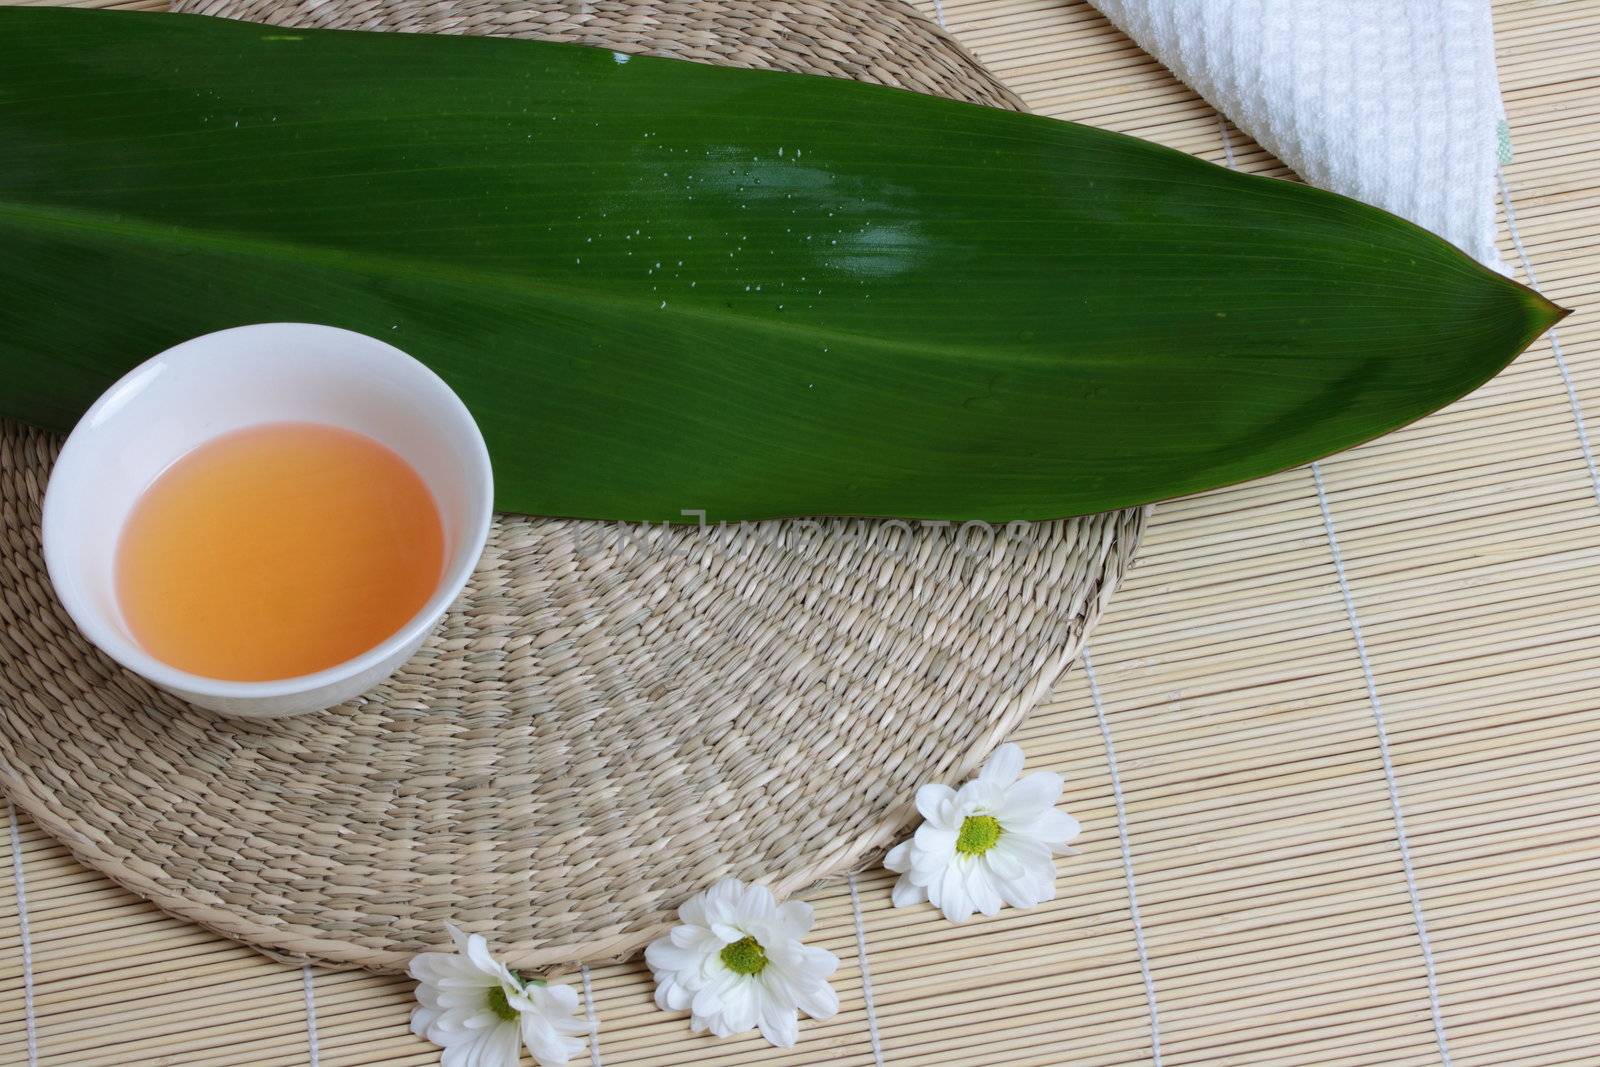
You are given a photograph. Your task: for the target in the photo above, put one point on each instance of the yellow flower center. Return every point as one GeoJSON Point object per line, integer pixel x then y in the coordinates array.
{"type": "Point", "coordinates": [501, 1006]}
{"type": "Point", "coordinates": [745, 956]}
{"type": "Point", "coordinates": [978, 835]}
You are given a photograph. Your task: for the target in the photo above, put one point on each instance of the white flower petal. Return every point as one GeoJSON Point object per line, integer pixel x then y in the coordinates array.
{"type": "Point", "coordinates": [818, 1001]}
{"type": "Point", "coordinates": [779, 1025]}
{"type": "Point", "coordinates": [457, 937]}
{"type": "Point", "coordinates": [816, 964]}
{"type": "Point", "coordinates": [934, 801]}
{"type": "Point", "coordinates": [782, 980]}
{"type": "Point", "coordinates": [574, 1026]}
{"type": "Point", "coordinates": [985, 898]}
{"type": "Point", "coordinates": [707, 1002]}
{"type": "Point", "coordinates": [464, 1054]}
{"type": "Point", "coordinates": [937, 843]}
{"type": "Point", "coordinates": [423, 986]}
{"type": "Point", "coordinates": [449, 971]}
{"type": "Point", "coordinates": [1025, 800]}
{"type": "Point", "coordinates": [972, 797]}
{"type": "Point", "coordinates": [952, 898]}
{"type": "Point", "coordinates": [1002, 768]}
{"type": "Point", "coordinates": [1047, 888]}
{"type": "Point", "coordinates": [477, 951]}
{"type": "Point", "coordinates": [1031, 885]}
{"type": "Point", "coordinates": [759, 904]}
{"type": "Point", "coordinates": [899, 858]}
{"type": "Point", "coordinates": [722, 979]}
{"type": "Point", "coordinates": [545, 1040]}
{"type": "Point", "coordinates": [451, 1021]}
{"type": "Point", "coordinates": [1056, 829]}
{"type": "Point", "coordinates": [662, 955]}
{"type": "Point", "coordinates": [422, 1020]}
{"type": "Point", "coordinates": [1002, 863]}
{"type": "Point", "coordinates": [672, 995]}
{"type": "Point", "coordinates": [741, 1006]}
{"type": "Point", "coordinates": [548, 1048]}
{"type": "Point", "coordinates": [719, 1025]}
{"type": "Point", "coordinates": [1024, 849]}
{"type": "Point", "coordinates": [558, 999]}
{"type": "Point", "coordinates": [906, 892]}
{"type": "Point", "coordinates": [794, 919]}
{"type": "Point", "coordinates": [491, 1047]}
{"type": "Point", "coordinates": [686, 936]}
{"type": "Point", "coordinates": [692, 913]}
{"type": "Point", "coordinates": [468, 1001]}
{"type": "Point", "coordinates": [1016, 893]}
{"type": "Point", "coordinates": [722, 902]}
{"type": "Point", "coordinates": [482, 1019]}
{"type": "Point", "coordinates": [427, 966]}
{"type": "Point", "coordinates": [472, 980]}
{"type": "Point", "coordinates": [500, 1047]}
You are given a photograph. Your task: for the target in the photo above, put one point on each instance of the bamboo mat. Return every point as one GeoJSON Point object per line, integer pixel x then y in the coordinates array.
{"type": "Point", "coordinates": [1414, 622]}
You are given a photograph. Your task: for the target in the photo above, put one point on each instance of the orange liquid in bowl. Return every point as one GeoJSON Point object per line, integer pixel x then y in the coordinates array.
{"type": "Point", "coordinates": [277, 551]}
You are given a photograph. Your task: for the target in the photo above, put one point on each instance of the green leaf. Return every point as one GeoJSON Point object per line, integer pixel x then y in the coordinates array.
{"type": "Point", "coordinates": [665, 286]}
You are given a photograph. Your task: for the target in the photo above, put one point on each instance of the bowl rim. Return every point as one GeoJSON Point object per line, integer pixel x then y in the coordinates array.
{"type": "Point", "coordinates": [127, 652]}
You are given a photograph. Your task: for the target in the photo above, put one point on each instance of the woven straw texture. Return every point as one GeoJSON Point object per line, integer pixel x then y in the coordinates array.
{"type": "Point", "coordinates": [611, 717]}
{"type": "Point", "coordinates": [1276, 923]}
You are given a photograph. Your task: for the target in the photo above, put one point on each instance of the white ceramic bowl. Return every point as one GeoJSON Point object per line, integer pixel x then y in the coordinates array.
{"type": "Point", "coordinates": [274, 372]}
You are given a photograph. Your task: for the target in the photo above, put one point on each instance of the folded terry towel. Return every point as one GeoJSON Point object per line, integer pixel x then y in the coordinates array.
{"type": "Point", "coordinates": [1394, 102]}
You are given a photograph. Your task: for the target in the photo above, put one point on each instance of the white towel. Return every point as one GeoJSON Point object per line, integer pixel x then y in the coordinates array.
{"type": "Point", "coordinates": [1394, 102]}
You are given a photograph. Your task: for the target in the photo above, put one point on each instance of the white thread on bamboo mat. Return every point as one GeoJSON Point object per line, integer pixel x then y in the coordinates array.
{"type": "Point", "coordinates": [938, 13]}
{"type": "Point", "coordinates": [1378, 721]}
{"type": "Point", "coordinates": [308, 983]}
{"type": "Point", "coordinates": [27, 941]}
{"type": "Point", "coordinates": [594, 1020]}
{"type": "Point", "coordinates": [1388, 769]}
{"type": "Point", "coordinates": [866, 974]}
{"type": "Point", "coordinates": [1127, 859]}
{"type": "Point", "coordinates": [1555, 338]}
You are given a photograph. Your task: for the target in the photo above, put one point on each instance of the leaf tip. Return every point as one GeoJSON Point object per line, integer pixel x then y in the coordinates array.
{"type": "Point", "coordinates": [1546, 313]}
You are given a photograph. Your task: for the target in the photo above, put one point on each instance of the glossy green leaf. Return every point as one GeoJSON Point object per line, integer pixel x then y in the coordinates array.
{"type": "Point", "coordinates": [665, 286]}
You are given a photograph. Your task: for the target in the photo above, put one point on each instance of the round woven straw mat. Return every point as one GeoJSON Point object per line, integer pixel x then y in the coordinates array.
{"type": "Point", "coordinates": [609, 719]}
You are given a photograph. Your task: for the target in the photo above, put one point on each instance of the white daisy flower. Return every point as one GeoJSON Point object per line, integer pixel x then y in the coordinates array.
{"type": "Point", "coordinates": [737, 962]}
{"type": "Point", "coordinates": [991, 843]}
{"type": "Point", "coordinates": [477, 1009]}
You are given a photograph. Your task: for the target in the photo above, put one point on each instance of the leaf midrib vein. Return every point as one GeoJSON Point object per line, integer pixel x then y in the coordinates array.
{"type": "Point", "coordinates": [171, 235]}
